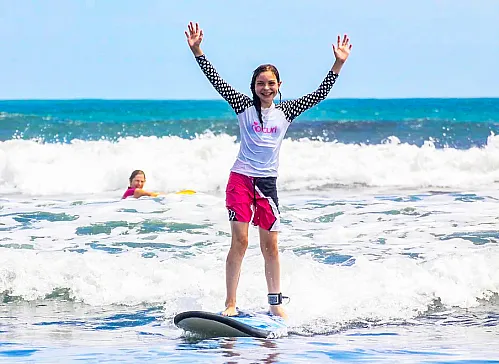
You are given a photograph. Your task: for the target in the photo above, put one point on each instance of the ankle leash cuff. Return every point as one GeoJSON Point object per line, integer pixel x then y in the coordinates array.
{"type": "Point", "coordinates": [276, 298]}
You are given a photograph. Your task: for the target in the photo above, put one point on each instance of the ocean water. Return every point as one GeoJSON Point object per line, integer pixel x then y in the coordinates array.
{"type": "Point", "coordinates": [389, 248]}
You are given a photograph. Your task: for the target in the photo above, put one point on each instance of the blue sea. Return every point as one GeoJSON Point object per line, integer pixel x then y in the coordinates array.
{"type": "Point", "coordinates": [389, 248]}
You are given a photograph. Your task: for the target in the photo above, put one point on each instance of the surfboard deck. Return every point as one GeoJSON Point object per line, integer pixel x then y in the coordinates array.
{"type": "Point", "coordinates": [245, 324]}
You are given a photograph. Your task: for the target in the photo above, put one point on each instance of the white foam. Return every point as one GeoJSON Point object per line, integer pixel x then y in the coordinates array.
{"type": "Point", "coordinates": [187, 272]}
{"type": "Point", "coordinates": [388, 289]}
{"type": "Point", "coordinates": [202, 164]}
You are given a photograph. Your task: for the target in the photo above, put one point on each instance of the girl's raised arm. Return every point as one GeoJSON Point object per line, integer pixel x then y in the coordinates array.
{"type": "Point", "coordinates": [292, 109]}
{"type": "Point", "coordinates": [238, 101]}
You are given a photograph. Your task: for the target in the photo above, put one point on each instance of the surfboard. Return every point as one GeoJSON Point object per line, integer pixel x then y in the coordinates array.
{"type": "Point", "coordinates": [245, 324]}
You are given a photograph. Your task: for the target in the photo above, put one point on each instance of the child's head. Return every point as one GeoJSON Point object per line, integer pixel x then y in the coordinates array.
{"type": "Point", "coordinates": [265, 85]}
{"type": "Point", "coordinates": [137, 179]}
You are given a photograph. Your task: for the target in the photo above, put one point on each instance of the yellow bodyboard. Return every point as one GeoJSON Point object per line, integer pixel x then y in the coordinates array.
{"type": "Point", "coordinates": [185, 192]}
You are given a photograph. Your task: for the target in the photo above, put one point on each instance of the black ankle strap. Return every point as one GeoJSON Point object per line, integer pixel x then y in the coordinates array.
{"type": "Point", "coordinates": [275, 299]}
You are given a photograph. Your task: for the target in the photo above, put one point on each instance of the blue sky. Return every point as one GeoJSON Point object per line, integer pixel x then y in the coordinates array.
{"type": "Point", "coordinates": [120, 49]}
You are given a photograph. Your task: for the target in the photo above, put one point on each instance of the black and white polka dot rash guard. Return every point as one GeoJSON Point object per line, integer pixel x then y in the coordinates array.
{"type": "Point", "coordinates": [260, 145]}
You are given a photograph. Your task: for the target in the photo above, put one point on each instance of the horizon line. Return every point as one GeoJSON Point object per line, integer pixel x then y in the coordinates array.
{"type": "Point", "coordinates": [222, 100]}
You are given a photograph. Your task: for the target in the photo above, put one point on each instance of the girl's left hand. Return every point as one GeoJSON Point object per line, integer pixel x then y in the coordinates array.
{"type": "Point", "coordinates": [342, 49]}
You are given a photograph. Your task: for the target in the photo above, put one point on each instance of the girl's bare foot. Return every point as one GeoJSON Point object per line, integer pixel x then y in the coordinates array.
{"type": "Point", "coordinates": [278, 311]}
{"type": "Point", "coordinates": [230, 311]}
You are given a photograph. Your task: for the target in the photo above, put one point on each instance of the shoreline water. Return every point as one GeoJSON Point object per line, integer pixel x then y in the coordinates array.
{"type": "Point", "coordinates": [389, 247]}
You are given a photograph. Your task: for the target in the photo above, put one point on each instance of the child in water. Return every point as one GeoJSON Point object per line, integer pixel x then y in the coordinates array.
{"type": "Point", "coordinates": [135, 189]}
{"type": "Point", "coordinates": [251, 192]}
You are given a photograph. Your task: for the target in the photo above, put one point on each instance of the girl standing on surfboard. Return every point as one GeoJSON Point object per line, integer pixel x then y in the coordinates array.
{"type": "Point", "coordinates": [251, 193]}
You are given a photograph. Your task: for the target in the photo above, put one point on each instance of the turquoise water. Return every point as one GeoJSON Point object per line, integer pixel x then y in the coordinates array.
{"type": "Point", "coordinates": [389, 246]}
{"type": "Point", "coordinates": [458, 123]}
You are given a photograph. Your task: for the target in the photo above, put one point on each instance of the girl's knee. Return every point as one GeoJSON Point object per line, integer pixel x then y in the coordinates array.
{"type": "Point", "coordinates": [240, 243]}
{"type": "Point", "coordinates": [270, 251]}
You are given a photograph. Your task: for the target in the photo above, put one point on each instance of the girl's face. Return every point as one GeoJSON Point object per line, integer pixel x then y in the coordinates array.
{"type": "Point", "coordinates": [266, 87]}
{"type": "Point", "coordinates": [138, 181]}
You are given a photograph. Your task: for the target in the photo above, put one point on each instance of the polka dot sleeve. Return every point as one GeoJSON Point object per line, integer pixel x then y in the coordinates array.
{"type": "Point", "coordinates": [293, 108]}
{"type": "Point", "coordinates": [238, 101]}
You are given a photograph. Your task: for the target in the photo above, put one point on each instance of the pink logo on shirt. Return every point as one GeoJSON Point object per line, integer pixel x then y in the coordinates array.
{"type": "Point", "coordinates": [259, 129]}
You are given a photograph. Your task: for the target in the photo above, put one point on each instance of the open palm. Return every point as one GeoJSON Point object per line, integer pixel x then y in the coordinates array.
{"type": "Point", "coordinates": [194, 36]}
{"type": "Point", "coordinates": [342, 49]}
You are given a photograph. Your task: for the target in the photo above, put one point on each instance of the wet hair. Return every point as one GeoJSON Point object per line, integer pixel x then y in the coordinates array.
{"type": "Point", "coordinates": [135, 173]}
{"type": "Point", "coordinates": [256, 100]}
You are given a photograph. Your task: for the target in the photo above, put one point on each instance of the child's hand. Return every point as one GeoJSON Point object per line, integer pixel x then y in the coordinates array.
{"type": "Point", "coordinates": [194, 38]}
{"type": "Point", "coordinates": [342, 50]}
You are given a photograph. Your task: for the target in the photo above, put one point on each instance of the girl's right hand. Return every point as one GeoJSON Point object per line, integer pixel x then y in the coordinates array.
{"type": "Point", "coordinates": [194, 38]}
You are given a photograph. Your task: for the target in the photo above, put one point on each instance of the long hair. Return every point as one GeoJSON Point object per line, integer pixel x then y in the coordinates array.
{"type": "Point", "coordinates": [135, 173]}
{"type": "Point", "coordinates": [256, 99]}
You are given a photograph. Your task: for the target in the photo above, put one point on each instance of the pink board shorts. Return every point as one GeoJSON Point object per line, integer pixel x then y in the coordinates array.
{"type": "Point", "coordinates": [247, 197]}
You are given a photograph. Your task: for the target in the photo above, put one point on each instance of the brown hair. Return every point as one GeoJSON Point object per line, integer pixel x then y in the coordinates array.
{"type": "Point", "coordinates": [135, 173]}
{"type": "Point", "coordinates": [256, 100]}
